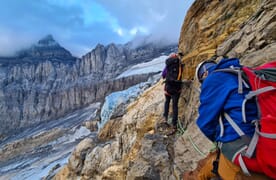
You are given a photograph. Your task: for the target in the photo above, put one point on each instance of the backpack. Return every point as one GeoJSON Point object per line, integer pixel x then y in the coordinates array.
{"type": "Point", "coordinates": [262, 81]}
{"type": "Point", "coordinates": [174, 69]}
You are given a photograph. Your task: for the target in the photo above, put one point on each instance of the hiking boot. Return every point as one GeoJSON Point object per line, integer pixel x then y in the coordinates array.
{"type": "Point", "coordinates": [165, 121]}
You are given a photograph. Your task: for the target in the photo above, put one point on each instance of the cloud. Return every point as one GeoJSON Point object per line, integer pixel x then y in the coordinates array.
{"type": "Point", "coordinates": [80, 25]}
{"type": "Point", "coordinates": [120, 32]}
{"type": "Point", "coordinates": [162, 18]}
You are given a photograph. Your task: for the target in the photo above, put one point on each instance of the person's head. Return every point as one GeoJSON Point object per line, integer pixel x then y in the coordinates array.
{"type": "Point", "coordinates": [176, 55]}
{"type": "Point", "coordinates": [203, 68]}
{"type": "Point", "coordinates": [173, 55]}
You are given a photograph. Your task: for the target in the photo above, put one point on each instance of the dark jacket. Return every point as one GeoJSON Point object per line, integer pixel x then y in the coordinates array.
{"type": "Point", "coordinates": [171, 87]}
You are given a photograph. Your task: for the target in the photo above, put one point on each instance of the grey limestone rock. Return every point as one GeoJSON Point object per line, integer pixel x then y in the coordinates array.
{"type": "Point", "coordinates": [45, 81]}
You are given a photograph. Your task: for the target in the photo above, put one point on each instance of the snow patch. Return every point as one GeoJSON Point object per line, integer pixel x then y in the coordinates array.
{"type": "Point", "coordinates": [156, 65]}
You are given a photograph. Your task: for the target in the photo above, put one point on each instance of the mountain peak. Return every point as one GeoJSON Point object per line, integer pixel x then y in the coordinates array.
{"type": "Point", "coordinates": [46, 48]}
{"type": "Point", "coordinates": [47, 41]}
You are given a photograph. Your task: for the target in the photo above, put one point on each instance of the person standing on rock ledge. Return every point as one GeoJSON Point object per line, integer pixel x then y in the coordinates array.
{"type": "Point", "coordinates": [172, 74]}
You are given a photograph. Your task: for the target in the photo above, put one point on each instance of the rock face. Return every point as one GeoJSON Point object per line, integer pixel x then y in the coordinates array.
{"type": "Point", "coordinates": [208, 24]}
{"type": "Point", "coordinates": [255, 42]}
{"type": "Point", "coordinates": [135, 149]}
{"type": "Point", "coordinates": [108, 62]}
{"type": "Point", "coordinates": [45, 81]}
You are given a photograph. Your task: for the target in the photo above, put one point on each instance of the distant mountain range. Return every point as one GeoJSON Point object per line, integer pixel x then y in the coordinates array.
{"type": "Point", "coordinates": [45, 81]}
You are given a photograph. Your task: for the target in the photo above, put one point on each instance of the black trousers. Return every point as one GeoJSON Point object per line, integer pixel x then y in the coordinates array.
{"type": "Point", "coordinates": [175, 98]}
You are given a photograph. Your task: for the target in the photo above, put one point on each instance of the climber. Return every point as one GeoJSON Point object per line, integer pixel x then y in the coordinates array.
{"type": "Point", "coordinates": [173, 75]}
{"type": "Point", "coordinates": [219, 95]}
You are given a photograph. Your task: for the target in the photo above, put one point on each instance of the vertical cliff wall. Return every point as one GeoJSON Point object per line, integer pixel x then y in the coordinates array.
{"type": "Point", "coordinates": [45, 81]}
{"type": "Point", "coordinates": [243, 29]}
{"type": "Point", "coordinates": [208, 24]}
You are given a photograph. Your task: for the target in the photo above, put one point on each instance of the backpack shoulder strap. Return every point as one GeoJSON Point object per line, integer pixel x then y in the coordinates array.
{"type": "Point", "coordinates": [233, 124]}
{"type": "Point", "coordinates": [241, 76]}
{"type": "Point", "coordinates": [180, 72]}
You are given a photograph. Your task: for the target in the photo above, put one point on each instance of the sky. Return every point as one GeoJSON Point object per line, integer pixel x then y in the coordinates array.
{"type": "Point", "coordinates": [79, 25]}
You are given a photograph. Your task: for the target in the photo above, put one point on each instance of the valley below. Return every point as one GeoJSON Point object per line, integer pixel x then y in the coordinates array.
{"type": "Point", "coordinates": [32, 153]}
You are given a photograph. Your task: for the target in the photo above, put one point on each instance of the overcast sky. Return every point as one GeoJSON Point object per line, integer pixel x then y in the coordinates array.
{"type": "Point", "coordinates": [79, 25]}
